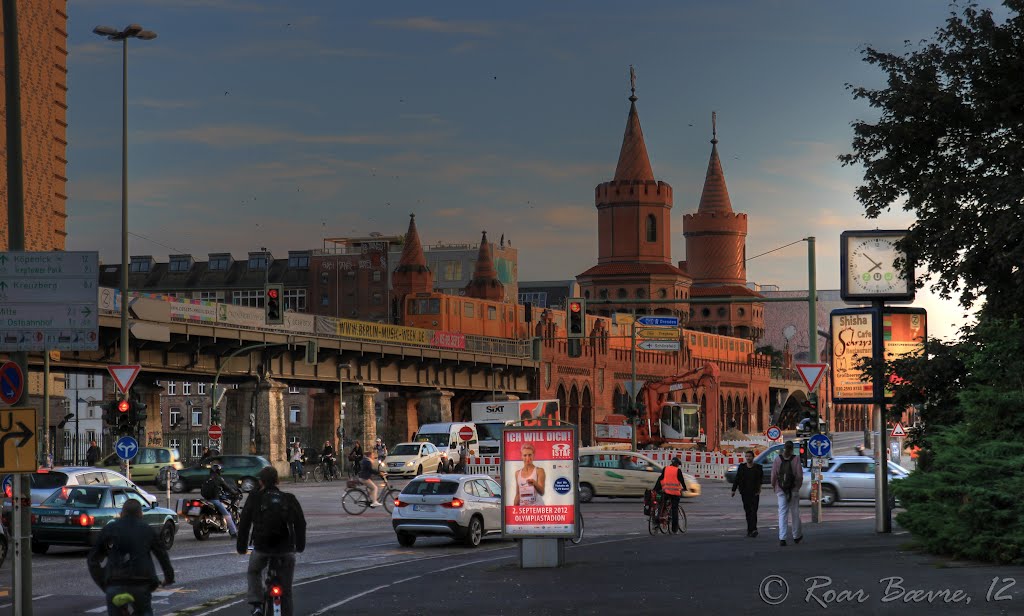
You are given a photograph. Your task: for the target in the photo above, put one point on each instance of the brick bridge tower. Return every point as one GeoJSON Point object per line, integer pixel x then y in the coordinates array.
{"type": "Point", "coordinates": [412, 274]}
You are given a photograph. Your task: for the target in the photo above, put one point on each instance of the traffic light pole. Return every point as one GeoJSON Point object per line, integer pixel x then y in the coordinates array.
{"type": "Point", "coordinates": [634, 416]}
{"type": "Point", "coordinates": [812, 331]}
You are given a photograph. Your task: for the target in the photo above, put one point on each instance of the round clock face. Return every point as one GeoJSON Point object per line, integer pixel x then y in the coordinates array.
{"type": "Point", "coordinates": [869, 267]}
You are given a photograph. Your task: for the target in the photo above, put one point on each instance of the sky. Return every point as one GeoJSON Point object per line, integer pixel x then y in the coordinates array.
{"type": "Point", "coordinates": [268, 123]}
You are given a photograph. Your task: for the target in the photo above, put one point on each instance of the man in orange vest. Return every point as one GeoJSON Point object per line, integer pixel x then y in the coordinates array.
{"type": "Point", "coordinates": [670, 483]}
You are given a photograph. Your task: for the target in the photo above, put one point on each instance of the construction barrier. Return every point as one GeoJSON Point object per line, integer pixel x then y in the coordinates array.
{"type": "Point", "coordinates": [700, 464]}
{"type": "Point", "coordinates": [484, 465]}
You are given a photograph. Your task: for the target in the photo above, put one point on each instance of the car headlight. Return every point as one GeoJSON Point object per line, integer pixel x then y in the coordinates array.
{"type": "Point", "coordinates": [409, 463]}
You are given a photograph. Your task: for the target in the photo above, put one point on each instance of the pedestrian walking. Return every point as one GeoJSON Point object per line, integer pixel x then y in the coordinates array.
{"type": "Point", "coordinates": [92, 455]}
{"type": "Point", "coordinates": [749, 477]}
{"type": "Point", "coordinates": [787, 477]}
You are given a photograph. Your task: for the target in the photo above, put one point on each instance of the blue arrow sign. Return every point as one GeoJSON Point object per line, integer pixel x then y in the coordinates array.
{"type": "Point", "coordinates": [126, 447]}
{"type": "Point", "coordinates": [659, 321]}
{"type": "Point", "coordinates": [820, 446]}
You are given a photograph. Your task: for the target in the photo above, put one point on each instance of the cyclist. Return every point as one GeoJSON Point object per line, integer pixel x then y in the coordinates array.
{"type": "Point", "coordinates": [381, 450]}
{"type": "Point", "coordinates": [355, 457]}
{"type": "Point", "coordinates": [671, 483]}
{"type": "Point", "coordinates": [367, 469]}
{"type": "Point", "coordinates": [213, 490]}
{"type": "Point", "coordinates": [296, 461]}
{"type": "Point", "coordinates": [328, 458]}
{"type": "Point", "coordinates": [278, 531]}
{"type": "Point", "coordinates": [127, 545]}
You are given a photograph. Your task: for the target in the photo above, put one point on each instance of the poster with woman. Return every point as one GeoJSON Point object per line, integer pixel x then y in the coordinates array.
{"type": "Point", "coordinates": [539, 474]}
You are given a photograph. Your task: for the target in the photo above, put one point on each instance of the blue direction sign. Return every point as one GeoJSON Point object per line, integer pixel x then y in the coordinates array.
{"type": "Point", "coordinates": [658, 321]}
{"type": "Point", "coordinates": [12, 382]}
{"type": "Point", "coordinates": [126, 447]}
{"type": "Point", "coordinates": [820, 446]}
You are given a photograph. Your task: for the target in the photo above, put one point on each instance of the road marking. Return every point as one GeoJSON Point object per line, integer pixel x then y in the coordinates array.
{"type": "Point", "coordinates": [34, 599]}
{"type": "Point", "coordinates": [205, 555]}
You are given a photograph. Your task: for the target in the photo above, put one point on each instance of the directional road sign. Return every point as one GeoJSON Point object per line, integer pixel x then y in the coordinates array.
{"type": "Point", "coordinates": [124, 376]}
{"type": "Point", "coordinates": [17, 440]}
{"type": "Point", "coordinates": [12, 382]}
{"type": "Point", "coordinates": [48, 301]}
{"type": "Point", "coordinates": [126, 447]}
{"type": "Point", "coordinates": [773, 433]}
{"type": "Point", "coordinates": [811, 374]}
{"type": "Point", "coordinates": [658, 345]}
{"type": "Point", "coordinates": [658, 333]}
{"type": "Point", "coordinates": [820, 446]}
{"type": "Point", "coordinates": [658, 321]}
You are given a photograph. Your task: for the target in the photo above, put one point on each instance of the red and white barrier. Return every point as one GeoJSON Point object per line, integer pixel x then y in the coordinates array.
{"type": "Point", "coordinates": [700, 464]}
{"type": "Point", "coordinates": [485, 465]}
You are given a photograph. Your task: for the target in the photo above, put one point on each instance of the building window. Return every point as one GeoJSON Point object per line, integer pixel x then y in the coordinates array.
{"type": "Point", "coordinates": [324, 277]}
{"type": "Point", "coordinates": [294, 414]}
{"type": "Point", "coordinates": [492, 313]}
{"type": "Point", "coordinates": [641, 293]}
{"type": "Point", "coordinates": [295, 299]}
{"type": "Point", "coordinates": [324, 299]}
{"type": "Point", "coordinates": [172, 388]}
{"type": "Point", "coordinates": [197, 447]}
{"type": "Point", "coordinates": [174, 443]}
{"type": "Point", "coordinates": [258, 263]}
{"type": "Point", "coordinates": [377, 276]}
{"type": "Point", "coordinates": [741, 311]}
{"type": "Point", "coordinates": [90, 381]}
{"type": "Point", "coordinates": [603, 293]}
{"type": "Point", "coordinates": [705, 312]}
{"type": "Point", "coordinates": [186, 388]}
{"type": "Point", "coordinates": [538, 299]}
{"type": "Point", "coordinates": [138, 267]}
{"type": "Point", "coordinates": [90, 436]}
{"type": "Point", "coordinates": [211, 296]}
{"type": "Point", "coordinates": [218, 264]}
{"type": "Point", "coordinates": [197, 416]}
{"type": "Point", "coordinates": [252, 299]}
{"type": "Point", "coordinates": [662, 293]}
{"type": "Point", "coordinates": [451, 270]}
{"type": "Point", "coordinates": [292, 389]}
{"type": "Point", "coordinates": [652, 228]}
{"type": "Point", "coordinates": [378, 299]}
{"type": "Point", "coordinates": [202, 389]}
{"type": "Point", "coordinates": [174, 416]}
{"type": "Point", "coordinates": [721, 312]}
{"type": "Point", "coordinates": [468, 309]}
{"type": "Point", "coordinates": [298, 261]}
{"type": "Point", "coordinates": [179, 265]}
{"type": "Point", "coordinates": [623, 294]}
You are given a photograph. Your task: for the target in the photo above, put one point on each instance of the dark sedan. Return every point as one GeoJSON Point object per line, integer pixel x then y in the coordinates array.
{"type": "Point", "coordinates": [243, 470]}
{"type": "Point", "coordinates": [75, 515]}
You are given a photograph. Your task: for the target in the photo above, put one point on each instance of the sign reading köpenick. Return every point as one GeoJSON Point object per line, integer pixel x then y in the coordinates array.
{"type": "Point", "coordinates": [539, 478]}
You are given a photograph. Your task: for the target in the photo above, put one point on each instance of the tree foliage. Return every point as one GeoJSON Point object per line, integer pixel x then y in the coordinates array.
{"type": "Point", "coordinates": [949, 145]}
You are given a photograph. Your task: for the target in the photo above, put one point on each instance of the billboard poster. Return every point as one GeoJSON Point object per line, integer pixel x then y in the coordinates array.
{"type": "Point", "coordinates": [851, 334]}
{"type": "Point", "coordinates": [903, 332]}
{"type": "Point", "coordinates": [539, 481]}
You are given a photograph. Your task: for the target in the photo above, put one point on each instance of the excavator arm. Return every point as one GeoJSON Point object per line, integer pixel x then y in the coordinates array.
{"type": "Point", "coordinates": [707, 376]}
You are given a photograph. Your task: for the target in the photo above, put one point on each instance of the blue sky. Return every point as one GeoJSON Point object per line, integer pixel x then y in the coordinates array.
{"type": "Point", "coordinates": [270, 123]}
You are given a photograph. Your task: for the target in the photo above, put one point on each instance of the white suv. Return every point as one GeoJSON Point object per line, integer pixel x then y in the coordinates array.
{"type": "Point", "coordinates": [465, 507]}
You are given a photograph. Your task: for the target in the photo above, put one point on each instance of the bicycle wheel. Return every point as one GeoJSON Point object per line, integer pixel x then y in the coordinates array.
{"type": "Point", "coordinates": [652, 523]}
{"type": "Point", "coordinates": [664, 518]}
{"type": "Point", "coordinates": [318, 474]}
{"type": "Point", "coordinates": [389, 499]}
{"type": "Point", "coordinates": [682, 522]}
{"type": "Point", "coordinates": [355, 501]}
{"type": "Point", "coordinates": [579, 529]}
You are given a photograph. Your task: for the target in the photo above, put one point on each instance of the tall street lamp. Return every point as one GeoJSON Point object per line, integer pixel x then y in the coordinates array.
{"type": "Point", "coordinates": [132, 31]}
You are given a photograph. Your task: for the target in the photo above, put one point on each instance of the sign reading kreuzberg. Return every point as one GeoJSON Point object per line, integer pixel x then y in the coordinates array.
{"type": "Point", "coordinates": [851, 341]}
{"type": "Point", "coordinates": [538, 494]}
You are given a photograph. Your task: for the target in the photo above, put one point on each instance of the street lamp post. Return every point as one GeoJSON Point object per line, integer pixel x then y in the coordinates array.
{"type": "Point", "coordinates": [113, 34]}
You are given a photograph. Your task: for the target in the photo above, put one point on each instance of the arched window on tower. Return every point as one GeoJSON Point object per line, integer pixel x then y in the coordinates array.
{"type": "Point", "coordinates": [652, 228]}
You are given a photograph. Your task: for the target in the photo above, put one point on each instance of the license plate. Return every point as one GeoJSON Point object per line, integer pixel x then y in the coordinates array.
{"type": "Point", "coordinates": [53, 519]}
{"type": "Point", "coordinates": [193, 511]}
{"type": "Point", "coordinates": [395, 465]}
{"type": "Point", "coordinates": [424, 507]}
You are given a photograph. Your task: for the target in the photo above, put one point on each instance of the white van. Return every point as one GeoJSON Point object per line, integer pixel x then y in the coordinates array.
{"type": "Point", "coordinates": [445, 436]}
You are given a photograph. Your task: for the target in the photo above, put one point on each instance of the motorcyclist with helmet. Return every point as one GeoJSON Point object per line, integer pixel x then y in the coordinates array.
{"type": "Point", "coordinates": [213, 489]}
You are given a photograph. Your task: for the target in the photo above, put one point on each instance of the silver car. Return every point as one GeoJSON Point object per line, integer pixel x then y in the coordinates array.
{"type": "Point", "coordinates": [849, 478]}
{"type": "Point", "coordinates": [47, 481]}
{"type": "Point", "coordinates": [464, 507]}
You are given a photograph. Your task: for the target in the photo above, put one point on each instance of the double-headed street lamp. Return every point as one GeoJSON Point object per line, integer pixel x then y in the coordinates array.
{"type": "Point", "coordinates": [132, 31]}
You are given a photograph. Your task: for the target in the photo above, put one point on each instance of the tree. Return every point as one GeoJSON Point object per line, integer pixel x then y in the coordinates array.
{"type": "Point", "coordinates": [949, 145]}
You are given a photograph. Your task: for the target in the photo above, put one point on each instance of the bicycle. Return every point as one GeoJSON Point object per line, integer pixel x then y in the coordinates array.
{"type": "Point", "coordinates": [274, 593]}
{"type": "Point", "coordinates": [356, 499]}
{"type": "Point", "coordinates": [297, 477]}
{"type": "Point", "coordinates": [325, 470]}
{"type": "Point", "coordinates": [576, 538]}
{"type": "Point", "coordinates": [660, 518]}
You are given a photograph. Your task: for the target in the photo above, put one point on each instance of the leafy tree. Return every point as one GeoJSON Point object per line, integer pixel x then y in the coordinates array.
{"type": "Point", "coordinates": [949, 145]}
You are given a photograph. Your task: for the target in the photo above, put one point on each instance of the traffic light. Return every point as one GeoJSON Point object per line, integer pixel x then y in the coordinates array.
{"type": "Point", "coordinates": [110, 413]}
{"type": "Point", "coordinates": [273, 294]}
{"type": "Point", "coordinates": [811, 408]}
{"type": "Point", "coordinates": [576, 317]}
{"type": "Point", "coordinates": [803, 452]}
{"type": "Point", "coordinates": [138, 410]}
{"type": "Point", "coordinates": [215, 416]}
{"type": "Point", "coordinates": [122, 409]}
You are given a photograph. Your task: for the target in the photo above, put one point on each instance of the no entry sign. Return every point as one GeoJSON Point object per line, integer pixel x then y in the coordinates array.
{"type": "Point", "coordinates": [215, 432]}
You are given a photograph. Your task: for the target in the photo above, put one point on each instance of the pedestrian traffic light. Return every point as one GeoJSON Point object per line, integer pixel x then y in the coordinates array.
{"type": "Point", "coordinates": [272, 296]}
{"type": "Point", "coordinates": [576, 317]}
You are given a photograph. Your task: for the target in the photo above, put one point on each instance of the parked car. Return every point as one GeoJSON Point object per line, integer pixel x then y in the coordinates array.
{"type": "Point", "coordinates": [75, 515]}
{"type": "Point", "coordinates": [243, 470]}
{"type": "Point", "coordinates": [804, 427]}
{"type": "Point", "coordinates": [412, 459]}
{"type": "Point", "coordinates": [145, 466]}
{"type": "Point", "coordinates": [464, 507]}
{"type": "Point", "coordinates": [850, 478]}
{"type": "Point", "coordinates": [46, 481]}
{"type": "Point", "coordinates": [622, 473]}
{"type": "Point", "coordinates": [766, 459]}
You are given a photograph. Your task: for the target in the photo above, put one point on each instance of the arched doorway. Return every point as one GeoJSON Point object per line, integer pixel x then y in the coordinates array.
{"type": "Point", "coordinates": [586, 425]}
{"type": "Point", "coordinates": [746, 415]}
{"type": "Point", "coordinates": [760, 414]}
{"type": "Point", "coordinates": [620, 401]}
{"type": "Point", "coordinates": [560, 394]}
{"type": "Point", "coordinates": [573, 416]}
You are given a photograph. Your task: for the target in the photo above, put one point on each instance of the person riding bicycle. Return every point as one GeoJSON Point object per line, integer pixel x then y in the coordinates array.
{"type": "Point", "coordinates": [367, 469]}
{"type": "Point", "coordinates": [355, 457]}
{"type": "Point", "coordinates": [328, 458]}
{"type": "Point", "coordinates": [670, 484]}
{"type": "Point", "coordinates": [213, 490]}
{"type": "Point", "coordinates": [128, 545]}
{"type": "Point", "coordinates": [278, 531]}
{"type": "Point", "coordinates": [295, 458]}
{"type": "Point", "coordinates": [380, 449]}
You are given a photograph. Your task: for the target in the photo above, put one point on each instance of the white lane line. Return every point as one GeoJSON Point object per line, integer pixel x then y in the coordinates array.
{"type": "Point", "coordinates": [204, 555]}
{"type": "Point", "coordinates": [34, 599]}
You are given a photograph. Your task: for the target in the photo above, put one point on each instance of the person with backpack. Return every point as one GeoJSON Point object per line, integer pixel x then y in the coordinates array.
{"type": "Point", "coordinates": [121, 561]}
{"type": "Point", "coordinates": [213, 490]}
{"type": "Point", "coordinates": [278, 531]}
{"type": "Point", "coordinates": [787, 477]}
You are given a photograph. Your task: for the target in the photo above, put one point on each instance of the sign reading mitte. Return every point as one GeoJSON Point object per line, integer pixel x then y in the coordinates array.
{"type": "Point", "coordinates": [48, 301]}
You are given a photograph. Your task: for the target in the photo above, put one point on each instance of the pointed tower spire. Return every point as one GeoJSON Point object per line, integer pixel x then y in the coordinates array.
{"type": "Point", "coordinates": [485, 283]}
{"type": "Point", "coordinates": [412, 274]}
{"type": "Point", "coordinates": [715, 197]}
{"type": "Point", "coordinates": [634, 164]}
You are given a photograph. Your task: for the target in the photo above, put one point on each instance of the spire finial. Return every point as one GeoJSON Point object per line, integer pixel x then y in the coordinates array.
{"type": "Point", "coordinates": [632, 84]}
{"type": "Point", "coordinates": [714, 127]}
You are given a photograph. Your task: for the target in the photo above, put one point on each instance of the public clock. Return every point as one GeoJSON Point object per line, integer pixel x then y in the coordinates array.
{"type": "Point", "coordinates": [868, 267]}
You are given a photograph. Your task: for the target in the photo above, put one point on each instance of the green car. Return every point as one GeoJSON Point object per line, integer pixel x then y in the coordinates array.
{"type": "Point", "coordinates": [75, 515]}
{"type": "Point", "coordinates": [145, 466]}
{"type": "Point", "coordinates": [243, 470]}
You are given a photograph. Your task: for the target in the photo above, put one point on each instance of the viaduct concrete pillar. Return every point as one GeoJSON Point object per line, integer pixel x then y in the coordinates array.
{"type": "Point", "coordinates": [271, 424]}
{"type": "Point", "coordinates": [435, 406]}
{"type": "Point", "coordinates": [154, 425]}
{"type": "Point", "coordinates": [400, 418]}
{"type": "Point", "coordinates": [326, 419]}
{"type": "Point", "coordinates": [361, 415]}
{"type": "Point", "coordinates": [237, 407]}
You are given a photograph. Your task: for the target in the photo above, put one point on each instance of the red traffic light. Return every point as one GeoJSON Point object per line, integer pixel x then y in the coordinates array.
{"type": "Point", "coordinates": [575, 306]}
{"type": "Point", "coordinates": [122, 406]}
{"type": "Point", "coordinates": [272, 293]}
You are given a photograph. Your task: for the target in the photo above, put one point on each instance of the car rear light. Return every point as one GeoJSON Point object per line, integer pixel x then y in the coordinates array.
{"type": "Point", "coordinates": [456, 503]}
{"type": "Point", "coordinates": [399, 503]}
{"type": "Point", "coordinates": [85, 520]}
{"type": "Point", "coordinates": [196, 504]}
{"type": "Point", "coordinates": [432, 480]}
{"type": "Point", "coordinates": [275, 591]}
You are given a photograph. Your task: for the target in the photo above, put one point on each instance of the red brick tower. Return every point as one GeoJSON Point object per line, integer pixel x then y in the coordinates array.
{"type": "Point", "coordinates": [412, 274]}
{"type": "Point", "coordinates": [634, 242]}
{"type": "Point", "coordinates": [485, 283]}
{"type": "Point", "coordinates": [716, 255]}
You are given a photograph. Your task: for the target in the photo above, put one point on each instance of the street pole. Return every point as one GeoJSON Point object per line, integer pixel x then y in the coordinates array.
{"type": "Point", "coordinates": [48, 460]}
{"type": "Point", "coordinates": [633, 416]}
{"type": "Point", "coordinates": [883, 519]}
{"type": "Point", "coordinates": [124, 202]}
{"type": "Point", "coordinates": [812, 329]}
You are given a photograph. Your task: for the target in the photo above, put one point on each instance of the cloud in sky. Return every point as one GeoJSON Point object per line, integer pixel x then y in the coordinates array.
{"type": "Point", "coordinates": [432, 24]}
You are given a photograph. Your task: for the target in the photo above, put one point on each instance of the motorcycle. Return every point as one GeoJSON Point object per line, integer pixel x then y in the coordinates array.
{"type": "Point", "coordinates": [204, 517]}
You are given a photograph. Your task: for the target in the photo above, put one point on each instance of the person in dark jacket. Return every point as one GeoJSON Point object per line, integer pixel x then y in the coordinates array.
{"type": "Point", "coordinates": [261, 510]}
{"type": "Point", "coordinates": [127, 545]}
{"type": "Point", "coordinates": [748, 482]}
{"type": "Point", "coordinates": [93, 454]}
{"type": "Point", "coordinates": [213, 490]}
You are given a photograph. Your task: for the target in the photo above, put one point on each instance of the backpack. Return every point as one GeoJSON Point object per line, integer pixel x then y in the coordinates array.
{"type": "Point", "coordinates": [272, 526]}
{"type": "Point", "coordinates": [787, 478]}
{"type": "Point", "coordinates": [210, 488]}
